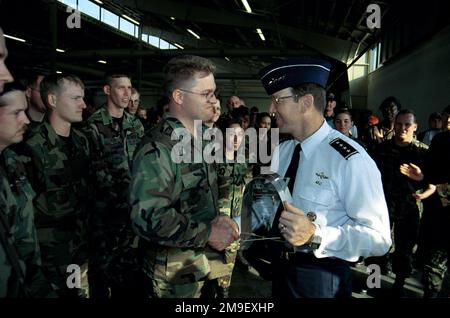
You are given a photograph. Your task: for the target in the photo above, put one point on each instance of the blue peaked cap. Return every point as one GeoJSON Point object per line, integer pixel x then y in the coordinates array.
{"type": "Point", "coordinates": [293, 72]}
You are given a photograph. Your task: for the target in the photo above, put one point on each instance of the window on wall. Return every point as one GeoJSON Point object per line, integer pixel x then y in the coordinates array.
{"type": "Point", "coordinates": [153, 40]}
{"type": "Point", "coordinates": [379, 56]}
{"type": "Point", "coordinates": [374, 57]}
{"type": "Point", "coordinates": [89, 8]}
{"type": "Point", "coordinates": [127, 26]}
{"type": "Point", "coordinates": [110, 18]}
{"type": "Point", "coordinates": [160, 43]}
{"type": "Point", "coordinates": [71, 3]}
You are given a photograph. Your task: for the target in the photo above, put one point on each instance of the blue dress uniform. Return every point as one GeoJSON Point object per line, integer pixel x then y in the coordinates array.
{"type": "Point", "coordinates": [340, 185]}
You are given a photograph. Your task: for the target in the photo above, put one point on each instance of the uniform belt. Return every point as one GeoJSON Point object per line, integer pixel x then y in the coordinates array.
{"type": "Point", "coordinates": [310, 258]}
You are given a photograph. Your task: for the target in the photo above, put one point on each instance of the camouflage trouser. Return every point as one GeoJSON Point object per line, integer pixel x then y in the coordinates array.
{"type": "Point", "coordinates": [434, 270]}
{"type": "Point", "coordinates": [435, 248]}
{"type": "Point", "coordinates": [162, 289]}
{"type": "Point", "coordinates": [406, 231]}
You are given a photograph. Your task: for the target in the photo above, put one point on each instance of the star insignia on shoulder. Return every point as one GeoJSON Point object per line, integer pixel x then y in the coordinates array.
{"type": "Point", "coordinates": [344, 149]}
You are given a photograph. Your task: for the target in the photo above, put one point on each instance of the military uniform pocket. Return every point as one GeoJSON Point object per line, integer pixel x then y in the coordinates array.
{"type": "Point", "coordinates": [314, 199]}
{"type": "Point", "coordinates": [192, 197]}
{"type": "Point", "coordinates": [185, 266]}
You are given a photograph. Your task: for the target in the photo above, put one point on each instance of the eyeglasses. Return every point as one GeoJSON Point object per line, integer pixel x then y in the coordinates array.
{"type": "Point", "coordinates": [279, 100]}
{"type": "Point", "coordinates": [207, 96]}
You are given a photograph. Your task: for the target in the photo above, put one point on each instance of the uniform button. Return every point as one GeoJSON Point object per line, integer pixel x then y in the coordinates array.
{"type": "Point", "coordinates": [324, 252]}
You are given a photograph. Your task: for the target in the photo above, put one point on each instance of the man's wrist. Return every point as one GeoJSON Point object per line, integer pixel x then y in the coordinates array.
{"type": "Point", "coordinates": [316, 239]}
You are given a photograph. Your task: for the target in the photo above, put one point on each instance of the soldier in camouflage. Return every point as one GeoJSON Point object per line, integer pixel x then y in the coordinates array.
{"type": "Point", "coordinates": [435, 238]}
{"type": "Point", "coordinates": [174, 205]}
{"type": "Point", "coordinates": [20, 263]}
{"type": "Point", "coordinates": [58, 170]}
{"type": "Point", "coordinates": [399, 192]}
{"type": "Point", "coordinates": [231, 181]}
{"type": "Point", "coordinates": [114, 136]}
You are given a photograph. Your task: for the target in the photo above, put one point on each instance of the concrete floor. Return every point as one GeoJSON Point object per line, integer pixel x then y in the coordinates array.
{"type": "Point", "coordinates": [248, 284]}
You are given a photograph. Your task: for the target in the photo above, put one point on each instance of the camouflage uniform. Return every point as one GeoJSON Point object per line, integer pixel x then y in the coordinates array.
{"type": "Point", "coordinates": [403, 207]}
{"type": "Point", "coordinates": [20, 262]}
{"type": "Point", "coordinates": [231, 182]}
{"type": "Point", "coordinates": [172, 209]}
{"type": "Point", "coordinates": [435, 242]}
{"type": "Point", "coordinates": [59, 170]}
{"type": "Point", "coordinates": [112, 260]}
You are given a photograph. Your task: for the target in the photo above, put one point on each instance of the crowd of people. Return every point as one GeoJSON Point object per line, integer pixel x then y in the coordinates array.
{"type": "Point", "coordinates": [99, 188]}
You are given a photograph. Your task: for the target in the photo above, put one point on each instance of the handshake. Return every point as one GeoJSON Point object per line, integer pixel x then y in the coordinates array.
{"type": "Point", "coordinates": [224, 231]}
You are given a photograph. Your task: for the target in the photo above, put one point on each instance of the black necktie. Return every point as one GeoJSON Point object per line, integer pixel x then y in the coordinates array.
{"type": "Point", "coordinates": [291, 174]}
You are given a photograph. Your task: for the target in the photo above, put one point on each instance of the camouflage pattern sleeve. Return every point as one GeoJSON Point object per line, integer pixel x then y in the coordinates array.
{"type": "Point", "coordinates": [155, 201]}
{"type": "Point", "coordinates": [140, 130]}
{"type": "Point", "coordinates": [23, 228]}
{"type": "Point", "coordinates": [28, 248]}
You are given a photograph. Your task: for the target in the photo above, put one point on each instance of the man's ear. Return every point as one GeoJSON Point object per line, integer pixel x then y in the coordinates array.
{"type": "Point", "coordinates": [107, 89]}
{"type": "Point", "coordinates": [308, 100]}
{"type": "Point", "coordinates": [177, 96]}
{"type": "Point", "coordinates": [28, 92]}
{"type": "Point", "coordinates": [415, 127]}
{"type": "Point", "coordinates": [51, 99]}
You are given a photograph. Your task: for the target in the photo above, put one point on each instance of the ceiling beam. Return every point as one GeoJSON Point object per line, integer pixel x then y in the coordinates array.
{"type": "Point", "coordinates": [94, 72]}
{"type": "Point", "coordinates": [184, 11]}
{"type": "Point", "coordinates": [206, 52]}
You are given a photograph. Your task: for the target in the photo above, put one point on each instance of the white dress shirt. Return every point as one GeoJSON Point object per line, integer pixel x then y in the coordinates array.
{"type": "Point", "coordinates": [345, 194]}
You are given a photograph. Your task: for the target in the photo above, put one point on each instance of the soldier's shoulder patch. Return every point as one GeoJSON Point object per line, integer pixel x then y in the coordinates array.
{"type": "Point", "coordinates": [344, 148]}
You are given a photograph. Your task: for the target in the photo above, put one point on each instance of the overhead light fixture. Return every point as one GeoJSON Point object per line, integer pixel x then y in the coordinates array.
{"type": "Point", "coordinates": [14, 38]}
{"type": "Point", "coordinates": [98, 1]}
{"type": "Point", "coordinates": [58, 72]}
{"type": "Point", "coordinates": [193, 33]}
{"type": "Point", "coordinates": [226, 58]}
{"type": "Point", "coordinates": [101, 61]}
{"type": "Point", "coordinates": [130, 19]}
{"type": "Point", "coordinates": [247, 6]}
{"type": "Point", "coordinates": [172, 18]}
{"type": "Point", "coordinates": [261, 35]}
{"type": "Point", "coordinates": [178, 46]}
{"type": "Point", "coordinates": [60, 50]}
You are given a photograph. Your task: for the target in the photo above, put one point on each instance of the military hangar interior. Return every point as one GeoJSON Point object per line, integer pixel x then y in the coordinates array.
{"type": "Point", "coordinates": [404, 54]}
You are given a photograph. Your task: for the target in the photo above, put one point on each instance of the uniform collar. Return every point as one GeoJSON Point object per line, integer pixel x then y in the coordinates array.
{"type": "Point", "coordinates": [53, 137]}
{"type": "Point", "coordinates": [312, 142]}
{"type": "Point", "coordinates": [51, 133]}
{"type": "Point", "coordinates": [174, 122]}
{"type": "Point", "coordinates": [106, 118]}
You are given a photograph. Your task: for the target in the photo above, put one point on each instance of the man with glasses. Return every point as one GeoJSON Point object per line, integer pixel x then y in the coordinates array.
{"type": "Point", "coordinates": [338, 212]}
{"type": "Point", "coordinates": [174, 205]}
{"type": "Point", "coordinates": [134, 102]}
